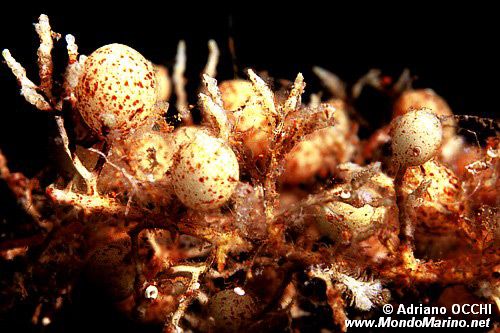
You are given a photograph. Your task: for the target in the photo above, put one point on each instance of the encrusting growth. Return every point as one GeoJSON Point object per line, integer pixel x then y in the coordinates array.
{"type": "Point", "coordinates": [265, 215]}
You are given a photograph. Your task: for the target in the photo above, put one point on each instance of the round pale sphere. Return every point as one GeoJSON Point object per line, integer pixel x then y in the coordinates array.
{"type": "Point", "coordinates": [416, 137]}
{"type": "Point", "coordinates": [231, 310]}
{"type": "Point", "coordinates": [428, 99]}
{"type": "Point", "coordinates": [117, 90]}
{"type": "Point", "coordinates": [206, 172]}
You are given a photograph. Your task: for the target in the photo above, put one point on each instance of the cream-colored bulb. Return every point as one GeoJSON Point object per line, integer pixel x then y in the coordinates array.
{"type": "Point", "coordinates": [416, 137]}
{"type": "Point", "coordinates": [117, 90]}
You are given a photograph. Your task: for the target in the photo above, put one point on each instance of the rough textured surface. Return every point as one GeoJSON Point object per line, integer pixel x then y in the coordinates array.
{"type": "Point", "coordinates": [441, 201]}
{"type": "Point", "coordinates": [256, 124]}
{"type": "Point", "coordinates": [250, 116]}
{"type": "Point", "coordinates": [149, 155]}
{"type": "Point", "coordinates": [117, 90]}
{"type": "Point", "coordinates": [134, 236]}
{"type": "Point", "coordinates": [322, 150]}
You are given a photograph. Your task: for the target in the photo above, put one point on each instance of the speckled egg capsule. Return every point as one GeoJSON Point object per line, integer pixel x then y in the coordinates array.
{"type": "Point", "coordinates": [428, 99]}
{"type": "Point", "coordinates": [117, 90]}
{"type": "Point", "coordinates": [416, 137]}
{"type": "Point", "coordinates": [230, 311]}
{"type": "Point", "coordinates": [206, 171]}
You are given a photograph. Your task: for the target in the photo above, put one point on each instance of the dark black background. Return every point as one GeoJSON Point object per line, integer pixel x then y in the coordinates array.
{"type": "Point", "coordinates": [452, 49]}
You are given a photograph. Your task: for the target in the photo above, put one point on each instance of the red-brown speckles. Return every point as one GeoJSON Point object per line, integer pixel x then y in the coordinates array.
{"type": "Point", "coordinates": [110, 69]}
{"type": "Point", "coordinates": [207, 171]}
{"type": "Point", "coordinates": [416, 137]}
